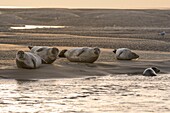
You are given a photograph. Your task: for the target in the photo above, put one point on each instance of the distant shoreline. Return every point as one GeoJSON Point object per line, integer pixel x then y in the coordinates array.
{"type": "Point", "coordinates": [78, 8]}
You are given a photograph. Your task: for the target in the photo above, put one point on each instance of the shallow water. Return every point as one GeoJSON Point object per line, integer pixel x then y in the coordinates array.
{"type": "Point", "coordinates": [37, 27]}
{"type": "Point", "coordinates": [118, 93]}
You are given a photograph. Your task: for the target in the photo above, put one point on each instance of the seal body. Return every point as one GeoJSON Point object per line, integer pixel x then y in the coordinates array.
{"type": "Point", "coordinates": [163, 33]}
{"type": "Point", "coordinates": [151, 71]}
{"type": "Point", "coordinates": [27, 60]}
{"type": "Point", "coordinates": [84, 55]}
{"type": "Point", "coordinates": [47, 54]}
{"type": "Point", "coordinates": [125, 54]}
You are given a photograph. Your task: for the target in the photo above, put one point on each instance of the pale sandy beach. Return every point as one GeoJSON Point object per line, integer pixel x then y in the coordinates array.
{"type": "Point", "coordinates": [107, 85]}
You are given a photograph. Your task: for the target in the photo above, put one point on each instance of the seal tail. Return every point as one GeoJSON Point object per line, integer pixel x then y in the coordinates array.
{"type": "Point", "coordinates": [30, 47]}
{"type": "Point", "coordinates": [62, 53]}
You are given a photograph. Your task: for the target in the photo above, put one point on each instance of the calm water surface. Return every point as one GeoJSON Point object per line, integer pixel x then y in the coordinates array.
{"type": "Point", "coordinates": [37, 27]}
{"type": "Point", "coordinates": [110, 94]}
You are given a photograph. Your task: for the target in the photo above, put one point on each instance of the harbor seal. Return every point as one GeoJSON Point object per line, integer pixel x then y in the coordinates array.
{"type": "Point", "coordinates": [27, 60]}
{"type": "Point", "coordinates": [125, 54]}
{"type": "Point", "coordinates": [152, 71]}
{"type": "Point", "coordinates": [163, 33]}
{"type": "Point", "coordinates": [84, 55]}
{"type": "Point", "coordinates": [47, 54]}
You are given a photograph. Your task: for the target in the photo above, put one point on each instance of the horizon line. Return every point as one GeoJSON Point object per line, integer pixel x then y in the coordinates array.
{"type": "Point", "coordinates": [26, 7]}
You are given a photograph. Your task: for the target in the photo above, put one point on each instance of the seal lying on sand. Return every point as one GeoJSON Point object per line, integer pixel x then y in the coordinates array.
{"type": "Point", "coordinates": [27, 60]}
{"type": "Point", "coordinates": [125, 54]}
{"type": "Point", "coordinates": [151, 71]}
{"type": "Point", "coordinates": [86, 55]}
{"type": "Point", "coordinates": [47, 54]}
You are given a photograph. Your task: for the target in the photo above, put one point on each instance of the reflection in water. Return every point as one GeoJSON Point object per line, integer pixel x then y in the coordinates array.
{"type": "Point", "coordinates": [37, 27]}
{"type": "Point", "coordinates": [94, 94]}
{"type": "Point", "coordinates": [23, 81]}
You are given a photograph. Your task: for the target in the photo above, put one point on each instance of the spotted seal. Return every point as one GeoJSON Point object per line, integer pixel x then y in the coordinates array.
{"type": "Point", "coordinates": [27, 60]}
{"type": "Point", "coordinates": [152, 71]}
{"type": "Point", "coordinates": [47, 54]}
{"type": "Point", "coordinates": [84, 55]}
{"type": "Point", "coordinates": [125, 54]}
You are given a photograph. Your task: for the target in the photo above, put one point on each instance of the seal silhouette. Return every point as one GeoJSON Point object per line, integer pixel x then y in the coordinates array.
{"type": "Point", "coordinates": [84, 55]}
{"type": "Point", "coordinates": [152, 71]}
{"type": "Point", "coordinates": [47, 54]}
{"type": "Point", "coordinates": [27, 60]}
{"type": "Point", "coordinates": [125, 54]}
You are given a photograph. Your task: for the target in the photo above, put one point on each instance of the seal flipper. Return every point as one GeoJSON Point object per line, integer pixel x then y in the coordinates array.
{"type": "Point", "coordinates": [21, 64]}
{"type": "Point", "coordinates": [34, 63]}
{"type": "Point", "coordinates": [114, 51]}
{"type": "Point", "coordinates": [41, 49]}
{"type": "Point", "coordinates": [119, 54]}
{"type": "Point", "coordinates": [80, 52]}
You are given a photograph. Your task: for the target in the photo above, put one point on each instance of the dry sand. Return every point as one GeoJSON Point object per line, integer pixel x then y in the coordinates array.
{"type": "Point", "coordinates": [105, 65]}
